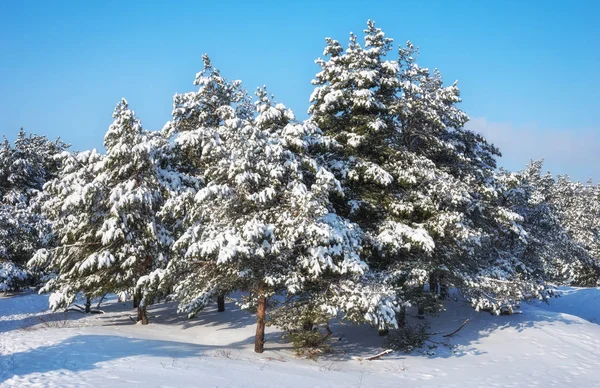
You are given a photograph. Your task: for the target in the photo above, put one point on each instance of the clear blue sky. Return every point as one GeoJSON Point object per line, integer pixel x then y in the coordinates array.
{"type": "Point", "coordinates": [528, 70]}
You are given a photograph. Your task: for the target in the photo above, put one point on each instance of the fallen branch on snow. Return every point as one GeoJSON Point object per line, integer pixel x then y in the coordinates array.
{"type": "Point", "coordinates": [379, 355]}
{"type": "Point", "coordinates": [456, 331]}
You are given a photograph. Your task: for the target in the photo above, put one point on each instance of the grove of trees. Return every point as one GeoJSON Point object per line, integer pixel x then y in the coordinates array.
{"type": "Point", "coordinates": [379, 201]}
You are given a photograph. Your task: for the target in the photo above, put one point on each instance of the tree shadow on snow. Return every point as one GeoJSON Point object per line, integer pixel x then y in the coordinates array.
{"type": "Point", "coordinates": [39, 321]}
{"type": "Point", "coordinates": [360, 341]}
{"type": "Point", "coordinates": [28, 311]}
{"type": "Point", "coordinates": [467, 341]}
{"type": "Point", "coordinates": [86, 352]}
{"type": "Point", "coordinates": [166, 313]}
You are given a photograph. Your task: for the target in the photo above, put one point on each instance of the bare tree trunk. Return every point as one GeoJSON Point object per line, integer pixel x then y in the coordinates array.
{"type": "Point", "coordinates": [261, 319]}
{"type": "Point", "coordinates": [88, 305]}
{"type": "Point", "coordinates": [136, 301]}
{"type": "Point", "coordinates": [142, 314]}
{"type": "Point", "coordinates": [221, 303]}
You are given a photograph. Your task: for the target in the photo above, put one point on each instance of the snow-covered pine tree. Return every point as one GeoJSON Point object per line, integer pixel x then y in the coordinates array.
{"type": "Point", "coordinates": [433, 129]}
{"type": "Point", "coordinates": [15, 236]}
{"type": "Point", "coordinates": [5, 162]}
{"type": "Point", "coordinates": [33, 162]}
{"type": "Point", "coordinates": [261, 222]}
{"type": "Point", "coordinates": [562, 259]}
{"type": "Point", "coordinates": [196, 115]}
{"type": "Point", "coordinates": [10, 274]}
{"type": "Point", "coordinates": [104, 216]}
{"type": "Point", "coordinates": [577, 206]}
{"type": "Point", "coordinates": [139, 239]}
{"type": "Point", "coordinates": [73, 204]}
{"type": "Point", "coordinates": [419, 184]}
{"type": "Point", "coordinates": [353, 104]}
{"type": "Point", "coordinates": [24, 169]}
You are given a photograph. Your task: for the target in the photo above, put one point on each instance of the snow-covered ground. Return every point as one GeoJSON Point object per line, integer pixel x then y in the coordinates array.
{"type": "Point", "coordinates": [547, 345]}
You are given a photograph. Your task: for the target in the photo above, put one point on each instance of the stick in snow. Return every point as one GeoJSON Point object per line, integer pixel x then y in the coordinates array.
{"type": "Point", "coordinates": [457, 330]}
{"type": "Point", "coordinates": [379, 355]}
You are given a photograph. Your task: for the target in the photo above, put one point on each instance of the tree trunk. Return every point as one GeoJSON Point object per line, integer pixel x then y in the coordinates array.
{"type": "Point", "coordinates": [221, 303]}
{"type": "Point", "coordinates": [444, 291]}
{"type": "Point", "coordinates": [88, 305]}
{"type": "Point", "coordinates": [136, 301]}
{"type": "Point", "coordinates": [100, 301]}
{"type": "Point", "coordinates": [142, 314]}
{"type": "Point", "coordinates": [401, 317]}
{"type": "Point", "coordinates": [307, 326]}
{"type": "Point", "coordinates": [261, 319]}
{"type": "Point", "coordinates": [433, 283]}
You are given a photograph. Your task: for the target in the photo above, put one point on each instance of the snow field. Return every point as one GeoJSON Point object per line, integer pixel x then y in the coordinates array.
{"type": "Point", "coordinates": [552, 345]}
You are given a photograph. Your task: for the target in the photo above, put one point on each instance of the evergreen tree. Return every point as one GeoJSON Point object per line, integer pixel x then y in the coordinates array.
{"type": "Point", "coordinates": [420, 185]}
{"type": "Point", "coordinates": [73, 203]}
{"type": "Point", "coordinates": [261, 221]}
{"type": "Point", "coordinates": [104, 218]}
{"type": "Point", "coordinates": [577, 206]}
{"type": "Point", "coordinates": [24, 169]}
{"type": "Point", "coordinates": [564, 260]}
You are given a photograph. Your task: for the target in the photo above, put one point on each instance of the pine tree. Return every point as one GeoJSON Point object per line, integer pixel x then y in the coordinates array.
{"type": "Point", "coordinates": [564, 259]}
{"type": "Point", "coordinates": [33, 163]}
{"type": "Point", "coordinates": [73, 203]}
{"type": "Point", "coordinates": [104, 217]}
{"type": "Point", "coordinates": [195, 115]}
{"type": "Point", "coordinates": [5, 162]}
{"type": "Point", "coordinates": [420, 185]}
{"type": "Point", "coordinates": [577, 206]}
{"type": "Point", "coordinates": [261, 221]}
{"type": "Point", "coordinates": [24, 169]}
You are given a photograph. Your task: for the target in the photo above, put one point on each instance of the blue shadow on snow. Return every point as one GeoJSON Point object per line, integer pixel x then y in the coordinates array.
{"type": "Point", "coordinates": [84, 352]}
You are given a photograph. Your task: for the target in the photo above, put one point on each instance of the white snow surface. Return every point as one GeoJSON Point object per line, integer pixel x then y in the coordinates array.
{"type": "Point", "coordinates": [554, 345]}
